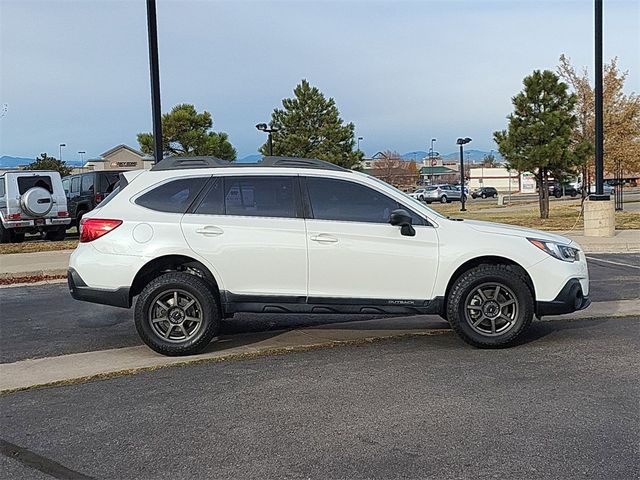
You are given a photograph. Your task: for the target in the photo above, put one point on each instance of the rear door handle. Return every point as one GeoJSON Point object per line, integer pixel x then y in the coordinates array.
{"type": "Point", "coordinates": [210, 231]}
{"type": "Point", "coordinates": [324, 238]}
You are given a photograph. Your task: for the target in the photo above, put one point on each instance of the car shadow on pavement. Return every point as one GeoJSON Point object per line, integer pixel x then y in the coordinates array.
{"type": "Point", "coordinates": [541, 329]}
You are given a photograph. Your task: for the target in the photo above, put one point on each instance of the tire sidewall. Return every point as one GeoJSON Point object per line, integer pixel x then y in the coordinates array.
{"type": "Point", "coordinates": [195, 287]}
{"type": "Point", "coordinates": [470, 281]}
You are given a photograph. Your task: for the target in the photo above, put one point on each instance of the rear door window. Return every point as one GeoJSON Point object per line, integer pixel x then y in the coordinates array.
{"type": "Point", "coordinates": [87, 183]}
{"type": "Point", "coordinates": [27, 183]}
{"type": "Point", "coordinates": [75, 184]}
{"type": "Point", "coordinates": [260, 196]}
{"type": "Point", "coordinates": [66, 185]}
{"type": "Point", "coordinates": [173, 197]}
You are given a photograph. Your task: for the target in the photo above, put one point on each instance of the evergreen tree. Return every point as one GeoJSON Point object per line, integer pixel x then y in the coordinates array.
{"type": "Point", "coordinates": [187, 133]}
{"type": "Point", "coordinates": [311, 127]}
{"type": "Point", "coordinates": [45, 162]}
{"type": "Point", "coordinates": [538, 137]}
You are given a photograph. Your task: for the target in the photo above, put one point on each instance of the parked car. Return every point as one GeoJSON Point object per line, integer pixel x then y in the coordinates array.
{"type": "Point", "coordinates": [196, 240]}
{"type": "Point", "coordinates": [558, 190]}
{"type": "Point", "coordinates": [607, 189]}
{"type": "Point", "coordinates": [442, 194]}
{"type": "Point", "coordinates": [418, 194]}
{"type": "Point", "coordinates": [86, 190]}
{"type": "Point", "coordinates": [484, 192]}
{"type": "Point", "coordinates": [32, 202]}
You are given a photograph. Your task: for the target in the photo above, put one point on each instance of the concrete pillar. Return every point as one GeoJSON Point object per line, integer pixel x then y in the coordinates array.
{"type": "Point", "coordinates": [599, 218]}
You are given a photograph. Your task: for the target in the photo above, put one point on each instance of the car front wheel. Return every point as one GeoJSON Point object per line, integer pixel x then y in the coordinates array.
{"type": "Point", "coordinates": [177, 314]}
{"type": "Point", "coordinates": [490, 306]}
{"type": "Point", "coordinates": [443, 199]}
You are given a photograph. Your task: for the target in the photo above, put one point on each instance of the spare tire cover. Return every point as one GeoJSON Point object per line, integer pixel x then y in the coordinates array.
{"type": "Point", "coordinates": [36, 202]}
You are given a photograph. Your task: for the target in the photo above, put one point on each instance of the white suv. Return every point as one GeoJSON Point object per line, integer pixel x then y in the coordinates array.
{"type": "Point", "coordinates": [32, 202]}
{"type": "Point", "coordinates": [198, 239]}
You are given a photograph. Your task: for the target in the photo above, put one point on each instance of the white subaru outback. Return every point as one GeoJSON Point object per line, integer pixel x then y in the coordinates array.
{"type": "Point", "coordinates": [199, 239]}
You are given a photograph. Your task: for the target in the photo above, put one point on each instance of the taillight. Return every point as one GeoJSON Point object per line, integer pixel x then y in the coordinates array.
{"type": "Point", "coordinates": [14, 216]}
{"type": "Point", "coordinates": [63, 213]}
{"type": "Point", "coordinates": [98, 197]}
{"type": "Point", "coordinates": [92, 228]}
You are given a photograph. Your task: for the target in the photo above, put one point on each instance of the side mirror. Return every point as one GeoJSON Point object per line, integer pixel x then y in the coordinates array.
{"type": "Point", "coordinates": [402, 219]}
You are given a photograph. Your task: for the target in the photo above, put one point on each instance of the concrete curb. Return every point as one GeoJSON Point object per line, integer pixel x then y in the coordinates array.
{"type": "Point", "coordinates": [85, 366]}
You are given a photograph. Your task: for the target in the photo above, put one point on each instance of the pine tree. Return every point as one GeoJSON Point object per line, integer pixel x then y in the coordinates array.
{"type": "Point", "coordinates": [45, 162]}
{"type": "Point", "coordinates": [539, 135]}
{"type": "Point", "coordinates": [187, 133]}
{"type": "Point", "coordinates": [311, 127]}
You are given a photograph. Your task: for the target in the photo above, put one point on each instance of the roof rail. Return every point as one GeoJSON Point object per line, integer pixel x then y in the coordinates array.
{"type": "Point", "coordinates": [178, 163]}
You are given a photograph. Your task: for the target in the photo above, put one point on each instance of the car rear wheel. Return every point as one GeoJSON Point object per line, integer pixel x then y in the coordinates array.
{"type": "Point", "coordinates": [56, 235]}
{"type": "Point", "coordinates": [490, 306]}
{"type": "Point", "coordinates": [484, 195]}
{"type": "Point", "coordinates": [443, 199]}
{"type": "Point", "coordinates": [177, 314]}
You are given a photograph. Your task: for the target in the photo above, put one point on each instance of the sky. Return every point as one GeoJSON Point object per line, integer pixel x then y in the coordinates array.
{"type": "Point", "coordinates": [77, 72]}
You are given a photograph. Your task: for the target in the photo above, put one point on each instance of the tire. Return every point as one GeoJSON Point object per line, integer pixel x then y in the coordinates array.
{"type": "Point", "coordinates": [494, 195]}
{"type": "Point", "coordinates": [443, 199]}
{"type": "Point", "coordinates": [184, 337]}
{"type": "Point", "coordinates": [56, 235]}
{"type": "Point", "coordinates": [17, 237]}
{"type": "Point", "coordinates": [79, 217]}
{"type": "Point", "coordinates": [557, 194]}
{"type": "Point", "coordinates": [421, 198]}
{"type": "Point", "coordinates": [574, 194]}
{"type": "Point", "coordinates": [483, 322]}
{"type": "Point", "coordinates": [484, 195]}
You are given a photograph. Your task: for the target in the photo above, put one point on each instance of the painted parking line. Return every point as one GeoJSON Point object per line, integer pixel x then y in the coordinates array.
{"type": "Point", "coordinates": [595, 259]}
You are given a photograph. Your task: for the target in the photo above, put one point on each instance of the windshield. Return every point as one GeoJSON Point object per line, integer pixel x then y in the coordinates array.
{"type": "Point", "coordinates": [413, 201]}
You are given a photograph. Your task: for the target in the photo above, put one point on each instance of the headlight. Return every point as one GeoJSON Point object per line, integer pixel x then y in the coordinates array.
{"type": "Point", "coordinates": [558, 250]}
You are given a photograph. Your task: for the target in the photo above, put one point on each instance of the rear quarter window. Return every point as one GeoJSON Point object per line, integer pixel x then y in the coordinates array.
{"type": "Point", "coordinates": [172, 197]}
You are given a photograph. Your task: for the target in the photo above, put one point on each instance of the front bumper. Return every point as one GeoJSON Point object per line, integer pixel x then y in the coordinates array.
{"type": "Point", "coordinates": [570, 299]}
{"type": "Point", "coordinates": [80, 291]}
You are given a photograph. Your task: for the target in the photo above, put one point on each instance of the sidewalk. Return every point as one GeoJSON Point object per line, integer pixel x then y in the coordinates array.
{"type": "Point", "coordinates": [56, 262]}
{"type": "Point", "coordinates": [32, 264]}
{"type": "Point", "coordinates": [624, 241]}
{"type": "Point", "coordinates": [80, 367]}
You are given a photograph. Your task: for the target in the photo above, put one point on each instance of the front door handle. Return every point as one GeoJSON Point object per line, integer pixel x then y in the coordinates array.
{"type": "Point", "coordinates": [210, 231]}
{"type": "Point", "coordinates": [324, 238]}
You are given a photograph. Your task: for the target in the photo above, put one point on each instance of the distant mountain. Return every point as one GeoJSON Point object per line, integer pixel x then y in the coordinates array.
{"type": "Point", "coordinates": [474, 156]}
{"type": "Point", "coordinates": [14, 162]}
{"type": "Point", "coordinates": [418, 155]}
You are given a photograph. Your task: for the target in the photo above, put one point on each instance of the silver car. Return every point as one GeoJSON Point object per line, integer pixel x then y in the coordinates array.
{"type": "Point", "coordinates": [442, 194]}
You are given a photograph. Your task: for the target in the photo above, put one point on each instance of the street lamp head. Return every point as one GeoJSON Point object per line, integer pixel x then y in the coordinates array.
{"type": "Point", "coordinates": [63, 144]}
{"type": "Point", "coordinates": [360, 138]}
{"type": "Point", "coordinates": [462, 141]}
{"type": "Point", "coordinates": [262, 127]}
{"type": "Point", "coordinates": [433, 139]}
{"type": "Point", "coordinates": [275, 128]}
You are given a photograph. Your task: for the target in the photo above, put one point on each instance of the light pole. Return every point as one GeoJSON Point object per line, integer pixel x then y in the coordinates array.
{"type": "Point", "coordinates": [61, 146]}
{"type": "Point", "coordinates": [82, 160]}
{"type": "Point", "coordinates": [263, 127]}
{"type": "Point", "coordinates": [152, 31]}
{"type": "Point", "coordinates": [359, 140]}
{"type": "Point", "coordinates": [461, 142]}
{"type": "Point", "coordinates": [433, 140]}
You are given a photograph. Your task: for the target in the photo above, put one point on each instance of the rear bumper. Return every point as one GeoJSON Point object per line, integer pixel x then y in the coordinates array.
{"type": "Point", "coordinates": [80, 291]}
{"type": "Point", "coordinates": [570, 299]}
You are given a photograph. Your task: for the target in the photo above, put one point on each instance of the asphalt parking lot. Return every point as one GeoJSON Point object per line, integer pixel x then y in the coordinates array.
{"type": "Point", "coordinates": [562, 405]}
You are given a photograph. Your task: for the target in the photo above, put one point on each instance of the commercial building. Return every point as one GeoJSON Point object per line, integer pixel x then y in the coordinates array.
{"type": "Point", "coordinates": [120, 157]}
